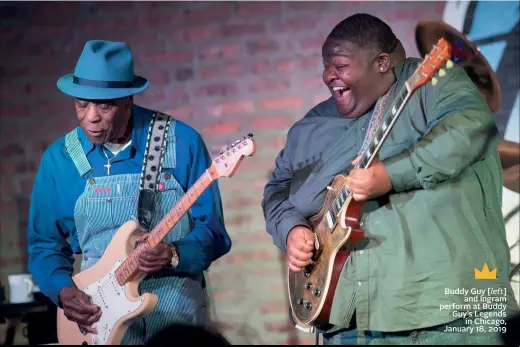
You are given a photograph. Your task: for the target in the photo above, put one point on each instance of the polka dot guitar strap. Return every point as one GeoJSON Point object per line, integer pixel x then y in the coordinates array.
{"type": "Point", "coordinates": [152, 165]}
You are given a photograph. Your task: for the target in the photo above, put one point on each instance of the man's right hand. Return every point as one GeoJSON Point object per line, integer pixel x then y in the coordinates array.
{"type": "Point", "coordinates": [77, 308]}
{"type": "Point", "coordinates": [300, 244]}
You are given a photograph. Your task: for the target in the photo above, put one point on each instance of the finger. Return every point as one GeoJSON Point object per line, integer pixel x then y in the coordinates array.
{"type": "Point", "coordinates": [359, 197]}
{"type": "Point", "coordinates": [142, 237]}
{"type": "Point", "coordinates": [155, 263]}
{"type": "Point", "coordinates": [303, 256]}
{"type": "Point", "coordinates": [81, 306]}
{"type": "Point", "coordinates": [154, 250]}
{"type": "Point", "coordinates": [77, 317]}
{"type": "Point", "coordinates": [356, 160]}
{"type": "Point", "coordinates": [147, 257]}
{"type": "Point", "coordinates": [294, 268]}
{"type": "Point", "coordinates": [309, 240]}
{"type": "Point", "coordinates": [88, 328]}
{"type": "Point", "coordinates": [297, 262]}
{"type": "Point", "coordinates": [85, 300]}
{"type": "Point", "coordinates": [358, 175]}
{"type": "Point", "coordinates": [150, 257]}
{"type": "Point", "coordinates": [302, 246]}
{"type": "Point", "coordinates": [356, 185]}
{"type": "Point", "coordinates": [94, 318]}
{"type": "Point", "coordinates": [150, 269]}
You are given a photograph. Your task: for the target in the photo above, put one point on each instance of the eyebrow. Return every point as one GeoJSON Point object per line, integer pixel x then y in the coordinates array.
{"type": "Point", "coordinates": [331, 53]}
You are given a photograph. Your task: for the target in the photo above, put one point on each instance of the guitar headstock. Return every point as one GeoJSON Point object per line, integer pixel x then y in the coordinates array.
{"type": "Point", "coordinates": [227, 162]}
{"type": "Point", "coordinates": [433, 62]}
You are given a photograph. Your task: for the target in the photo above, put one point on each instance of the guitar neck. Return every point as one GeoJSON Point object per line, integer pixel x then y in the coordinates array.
{"type": "Point", "coordinates": [128, 269]}
{"type": "Point", "coordinates": [177, 212]}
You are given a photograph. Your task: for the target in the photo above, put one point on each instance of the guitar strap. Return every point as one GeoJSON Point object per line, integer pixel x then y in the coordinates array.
{"type": "Point", "coordinates": [377, 114]}
{"type": "Point", "coordinates": [152, 165]}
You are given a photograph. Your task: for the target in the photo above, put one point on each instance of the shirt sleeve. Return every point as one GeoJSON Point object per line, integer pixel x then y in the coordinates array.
{"type": "Point", "coordinates": [279, 213]}
{"type": "Point", "coordinates": [50, 254]}
{"type": "Point", "coordinates": [208, 239]}
{"type": "Point", "coordinates": [459, 130]}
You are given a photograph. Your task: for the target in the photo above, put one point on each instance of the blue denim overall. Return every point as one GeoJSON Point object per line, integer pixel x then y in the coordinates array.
{"type": "Point", "coordinates": [110, 201]}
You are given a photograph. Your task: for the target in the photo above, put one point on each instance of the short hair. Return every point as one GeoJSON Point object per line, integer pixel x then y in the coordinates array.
{"type": "Point", "coordinates": [366, 31]}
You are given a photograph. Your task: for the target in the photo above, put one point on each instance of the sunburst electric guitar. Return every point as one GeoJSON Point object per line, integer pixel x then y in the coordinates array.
{"type": "Point", "coordinates": [112, 283]}
{"type": "Point", "coordinates": [336, 227]}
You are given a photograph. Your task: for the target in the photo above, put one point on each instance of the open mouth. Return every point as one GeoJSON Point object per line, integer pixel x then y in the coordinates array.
{"type": "Point", "coordinates": [340, 92]}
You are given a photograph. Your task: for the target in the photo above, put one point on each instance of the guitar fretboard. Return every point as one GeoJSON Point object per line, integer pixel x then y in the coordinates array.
{"type": "Point", "coordinates": [129, 268]}
{"type": "Point", "coordinates": [370, 151]}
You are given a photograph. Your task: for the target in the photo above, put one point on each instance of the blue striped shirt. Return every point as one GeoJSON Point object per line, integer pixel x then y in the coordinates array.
{"type": "Point", "coordinates": [52, 236]}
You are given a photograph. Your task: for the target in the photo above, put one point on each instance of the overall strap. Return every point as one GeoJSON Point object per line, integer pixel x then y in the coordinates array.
{"type": "Point", "coordinates": [152, 165]}
{"type": "Point", "coordinates": [170, 159]}
{"type": "Point", "coordinates": [75, 150]}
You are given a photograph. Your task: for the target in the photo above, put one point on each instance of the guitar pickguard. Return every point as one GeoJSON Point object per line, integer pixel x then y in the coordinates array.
{"type": "Point", "coordinates": [111, 297]}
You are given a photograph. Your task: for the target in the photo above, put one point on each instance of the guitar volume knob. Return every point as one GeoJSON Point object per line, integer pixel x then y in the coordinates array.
{"type": "Point", "coordinates": [316, 292]}
{"type": "Point", "coordinates": [308, 285]}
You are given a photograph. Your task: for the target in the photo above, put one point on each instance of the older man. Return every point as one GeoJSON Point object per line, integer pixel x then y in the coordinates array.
{"type": "Point", "coordinates": [431, 210]}
{"type": "Point", "coordinates": [99, 176]}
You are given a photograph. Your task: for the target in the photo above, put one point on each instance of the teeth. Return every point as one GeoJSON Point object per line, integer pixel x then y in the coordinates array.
{"type": "Point", "coordinates": [337, 89]}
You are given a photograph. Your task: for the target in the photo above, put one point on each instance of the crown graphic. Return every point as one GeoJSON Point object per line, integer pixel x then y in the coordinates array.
{"type": "Point", "coordinates": [485, 274]}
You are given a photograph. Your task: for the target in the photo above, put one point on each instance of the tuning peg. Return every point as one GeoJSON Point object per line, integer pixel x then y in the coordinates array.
{"type": "Point", "coordinates": [434, 81]}
{"type": "Point", "coordinates": [449, 64]}
{"type": "Point", "coordinates": [442, 72]}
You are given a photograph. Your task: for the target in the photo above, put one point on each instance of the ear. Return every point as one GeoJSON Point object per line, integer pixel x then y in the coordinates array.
{"type": "Point", "coordinates": [382, 63]}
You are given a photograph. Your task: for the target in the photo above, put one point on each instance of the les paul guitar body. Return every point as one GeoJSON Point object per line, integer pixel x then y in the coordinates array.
{"type": "Point", "coordinates": [311, 291]}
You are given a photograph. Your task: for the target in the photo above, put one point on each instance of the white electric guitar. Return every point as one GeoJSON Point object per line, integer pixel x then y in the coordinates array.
{"type": "Point", "coordinates": [112, 283]}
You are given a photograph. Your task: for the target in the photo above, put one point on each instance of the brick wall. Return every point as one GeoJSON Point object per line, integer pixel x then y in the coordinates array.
{"type": "Point", "coordinates": [224, 68]}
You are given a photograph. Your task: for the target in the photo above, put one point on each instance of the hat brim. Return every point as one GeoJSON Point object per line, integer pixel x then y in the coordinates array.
{"type": "Point", "coordinates": [429, 31]}
{"type": "Point", "coordinates": [67, 86]}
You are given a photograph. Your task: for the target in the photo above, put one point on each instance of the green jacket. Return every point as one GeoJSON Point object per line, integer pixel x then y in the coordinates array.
{"type": "Point", "coordinates": [424, 239]}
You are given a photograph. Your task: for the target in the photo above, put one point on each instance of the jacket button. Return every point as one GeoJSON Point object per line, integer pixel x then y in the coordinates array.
{"type": "Point", "coordinates": [85, 257]}
{"type": "Point", "coordinates": [167, 176]}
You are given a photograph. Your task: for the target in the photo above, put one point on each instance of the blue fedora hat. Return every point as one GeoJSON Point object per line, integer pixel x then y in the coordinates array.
{"type": "Point", "coordinates": [105, 70]}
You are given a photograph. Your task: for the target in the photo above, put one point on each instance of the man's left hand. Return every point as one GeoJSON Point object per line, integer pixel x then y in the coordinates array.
{"type": "Point", "coordinates": [365, 184]}
{"type": "Point", "coordinates": [155, 258]}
